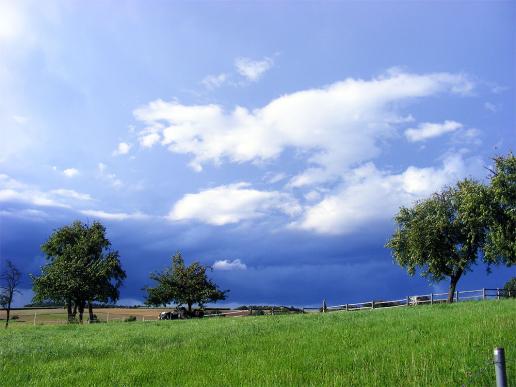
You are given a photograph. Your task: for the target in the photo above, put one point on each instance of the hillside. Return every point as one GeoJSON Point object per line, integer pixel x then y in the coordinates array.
{"type": "Point", "coordinates": [424, 345]}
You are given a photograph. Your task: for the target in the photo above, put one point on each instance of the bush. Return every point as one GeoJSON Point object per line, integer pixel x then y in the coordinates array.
{"type": "Point", "coordinates": [15, 317]}
{"type": "Point", "coordinates": [510, 288]}
{"type": "Point", "coordinates": [130, 319]}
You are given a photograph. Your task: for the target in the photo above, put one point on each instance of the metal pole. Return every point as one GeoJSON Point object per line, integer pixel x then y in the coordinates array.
{"type": "Point", "coordinates": [408, 300]}
{"type": "Point", "coordinates": [457, 296]}
{"type": "Point", "coordinates": [497, 293]}
{"type": "Point", "coordinates": [34, 318]}
{"type": "Point", "coordinates": [346, 307]}
{"type": "Point", "coordinates": [483, 293]}
{"type": "Point", "coordinates": [431, 298]}
{"type": "Point", "coordinates": [499, 362]}
{"type": "Point", "coordinates": [372, 304]}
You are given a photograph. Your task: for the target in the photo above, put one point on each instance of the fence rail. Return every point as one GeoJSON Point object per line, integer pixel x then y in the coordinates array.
{"type": "Point", "coordinates": [432, 298]}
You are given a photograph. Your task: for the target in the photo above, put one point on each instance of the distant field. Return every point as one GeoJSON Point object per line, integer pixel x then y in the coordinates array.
{"type": "Point", "coordinates": [58, 315]}
{"type": "Point", "coordinates": [440, 345]}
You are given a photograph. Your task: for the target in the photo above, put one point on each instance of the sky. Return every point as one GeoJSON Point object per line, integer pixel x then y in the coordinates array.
{"type": "Point", "coordinates": [273, 141]}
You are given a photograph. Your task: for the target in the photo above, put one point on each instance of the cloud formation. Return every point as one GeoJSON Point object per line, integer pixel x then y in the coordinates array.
{"type": "Point", "coordinates": [12, 190]}
{"type": "Point", "coordinates": [232, 203]}
{"type": "Point", "coordinates": [253, 70]}
{"type": "Point", "coordinates": [71, 172]}
{"type": "Point", "coordinates": [122, 149]}
{"type": "Point", "coordinates": [227, 265]}
{"type": "Point", "coordinates": [427, 130]}
{"type": "Point", "coordinates": [214, 81]}
{"type": "Point", "coordinates": [336, 126]}
{"type": "Point", "coordinates": [116, 216]}
{"type": "Point", "coordinates": [370, 195]}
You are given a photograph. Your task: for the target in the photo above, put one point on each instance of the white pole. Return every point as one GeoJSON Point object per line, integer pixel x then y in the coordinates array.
{"type": "Point", "coordinates": [143, 318]}
{"type": "Point", "coordinates": [107, 317]}
{"type": "Point", "coordinates": [34, 318]}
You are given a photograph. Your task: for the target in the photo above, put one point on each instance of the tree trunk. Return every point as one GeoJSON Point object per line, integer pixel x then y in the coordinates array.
{"type": "Point", "coordinates": [189, 309]}
{"type": "Point", "coordinates": [75, 310]}
{"type": "Point", "coordinates": [71, 315]}
{"type": "Point", "coordinates": [81, 311]}
{"type": "Point", "coordinates": [453, 285]}
{"type": "Point", "coordinates": [90, 311]}
{"type": "Point", "coordinates": [8, 313]}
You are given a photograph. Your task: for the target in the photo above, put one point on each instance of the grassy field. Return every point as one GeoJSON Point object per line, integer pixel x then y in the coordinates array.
{"type": "Point", "coordinates": [440, 345]}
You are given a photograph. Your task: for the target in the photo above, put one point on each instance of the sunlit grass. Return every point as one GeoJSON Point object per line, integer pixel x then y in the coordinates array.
{"type": "Point", "coordinates": [431, 345]}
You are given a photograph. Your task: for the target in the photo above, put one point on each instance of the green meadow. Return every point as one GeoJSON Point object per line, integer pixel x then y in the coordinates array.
{"type": "Point", "coordinates": [439, 345]}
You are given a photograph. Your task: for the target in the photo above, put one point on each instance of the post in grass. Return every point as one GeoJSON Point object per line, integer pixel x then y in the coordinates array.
{"type": "Point", "coordinates": [499, 363]}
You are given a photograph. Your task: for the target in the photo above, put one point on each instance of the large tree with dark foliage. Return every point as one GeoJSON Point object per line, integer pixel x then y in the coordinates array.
{"type": "Point", "coordinates": [442, 236]}
{"type": "Point", "coordinates": [183, 285]}
{"type": "Point", "coordinates": [81, 268]}
{"type": "Point", "coordinates": [10, 278]}
{"type": "Point", "coordinates": [501, 238]}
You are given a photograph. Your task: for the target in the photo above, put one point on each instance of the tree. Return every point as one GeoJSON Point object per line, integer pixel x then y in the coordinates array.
{"type": "Point", "coordinates": [10, 278]}
{"type": "Point", "coordinates": [510, 288]}
{"type": "Point", "coordinates": [81, 269]}
{"type": "Point", "coordinates": [501, 239]}
{"type": "Point", "coordinates": [182, 285]}
{"type": "Point", "coordinates": [442, 236]}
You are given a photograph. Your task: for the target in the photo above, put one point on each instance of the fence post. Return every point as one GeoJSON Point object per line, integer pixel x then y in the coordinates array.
{"type": "Point", "coordinates": [34, 318]}
{"type": "Point", "coordinates": [107, 317]}
{"type": "Point", "coordinates": [497, 293]}
{"type": "Point", "coordinates": [346, 307]}
{"type": "Point", "coordinates": [499, 363]}
{"type": "Point", "coordinates": [143, 318]}
{"type": "Point", "coordinates": [372, 304]}
{"type": "Point", "coordinates": [408, 300]}
{"type": "Point", "coordinates": [483, 293]}
{"type": "Point", "coordinates": [457, 295]}
{"type": "Point", "coordinates": [431, 298]}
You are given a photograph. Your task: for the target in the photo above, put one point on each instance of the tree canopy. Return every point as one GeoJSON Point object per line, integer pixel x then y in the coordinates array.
{"type": "Point", "coordinates": [81, 268]}
{"type": "Point", "coordinates": [183, 285]}
{"type": "Point", "coordinates": [444, 235]}
{"type": "Point", "coordinates": [501, 238]}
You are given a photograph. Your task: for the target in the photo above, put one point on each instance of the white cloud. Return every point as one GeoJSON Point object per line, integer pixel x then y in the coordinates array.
{"type": "Point", "coordinates": [253, 70]}
{"type": "Point", "coordinates": [226, 264]}
{"type": "Point", "coordinates": [116, 216]}
{"type": "Point", "coordinates": [148, 140]}
{"type": "Point", "coordinates": [336, 127]}
{"type": "Point", "coordinates": [12, 21]}
{"type": "Point", "coordinates": [122, 149]}
{"type": "Point", "coordinates": [272, 178]}
{"type": "Point", "coordinates": [70, 193]}
{"type": "Point", "coordinates": [427, 130]}
{"type": "Point", "coordinates": [12, 190]}
{"type": "Point", "coordinates": [71, 172]}
{"type": "Point", "coordinates": [370, 195]}
{"type": "Point", "coordinates": [214, 81]}
{"type": "Point", "coordinates": [231, 204]}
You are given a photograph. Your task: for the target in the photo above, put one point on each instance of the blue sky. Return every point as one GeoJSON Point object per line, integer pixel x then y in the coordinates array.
{"type": "Point", "coordinates": [274, 141]}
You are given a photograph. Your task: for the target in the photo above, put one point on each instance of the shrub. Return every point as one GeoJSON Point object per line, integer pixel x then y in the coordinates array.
{"type": "Point", "coordinates": [510, 288]}
{"type": "Point", "coordinates": [130, 319]}
{"type": "Point", "coordinates": [15, 317]}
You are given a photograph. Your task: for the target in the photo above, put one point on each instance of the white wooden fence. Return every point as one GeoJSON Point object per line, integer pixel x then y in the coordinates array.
{"type": "Point", "coordinates": [420, 299]}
